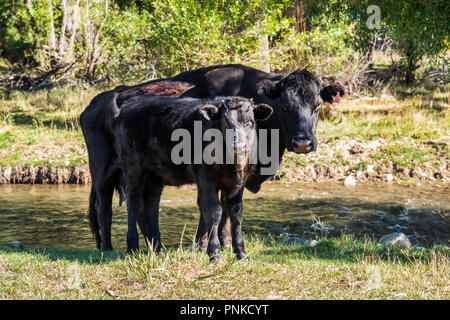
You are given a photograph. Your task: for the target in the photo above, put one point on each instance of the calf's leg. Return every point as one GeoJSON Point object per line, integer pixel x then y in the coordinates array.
{"type": "Point", "coordinates": [201, 236]}
{"type": "Point", "coordinates": [212, 213]}
{"type": "Point", "coordinates": [233, 207]}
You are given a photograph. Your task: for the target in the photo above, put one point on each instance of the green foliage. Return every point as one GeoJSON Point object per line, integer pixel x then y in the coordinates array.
{"type": "Point", "coordinates": [140, 39]}
{"type": "Point", "coordinates": [418, 28]}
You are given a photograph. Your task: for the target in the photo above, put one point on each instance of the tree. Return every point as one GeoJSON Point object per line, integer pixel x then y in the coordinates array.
{"type": "Point", "coordinates": [418, 27]}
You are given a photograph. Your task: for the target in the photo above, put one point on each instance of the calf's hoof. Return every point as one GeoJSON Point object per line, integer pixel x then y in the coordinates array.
{"type": "Point", "coordinates": [226, 243]}
{"type": "Point", "coordinates": [197, 247]}
{"type": "Point", "coordinates": [215, 259]}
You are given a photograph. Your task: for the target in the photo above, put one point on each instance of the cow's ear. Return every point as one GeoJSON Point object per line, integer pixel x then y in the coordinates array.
{"type": "Point", "coordinates": [332, 93]}
{"type": "Point", "coordinates": [269, 88]}
{"type": "Point", "coordinates": [209, 112]}
{"type": "Point", "coordinates": [262, 112]}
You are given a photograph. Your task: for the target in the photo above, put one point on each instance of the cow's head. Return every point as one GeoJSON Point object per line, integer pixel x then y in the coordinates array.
{"type": "Point", "coordinates": [237, 116]}
{"type": "Point", "coordinates": [298, 97]}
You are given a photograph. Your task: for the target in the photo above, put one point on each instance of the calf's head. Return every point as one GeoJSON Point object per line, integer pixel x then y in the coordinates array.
{"type": "Point", "coordinates": [298, 97]}
{"type": "Point", "coordinates": [237, 118]}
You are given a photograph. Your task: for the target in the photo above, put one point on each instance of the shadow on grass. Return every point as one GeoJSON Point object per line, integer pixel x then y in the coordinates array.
{"type": "Point", "coordinates": [81, 255]}
{"type": "Point", "coordinates": [424, 90]}
{"type": "Point", "coordinates": [36, 119]}
{"type": "Point", "coordinates": [347, 251]}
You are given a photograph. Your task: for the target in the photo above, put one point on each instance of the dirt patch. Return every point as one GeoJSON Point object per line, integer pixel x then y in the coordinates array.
{"type": "Point", "coordinates": [45, 175]}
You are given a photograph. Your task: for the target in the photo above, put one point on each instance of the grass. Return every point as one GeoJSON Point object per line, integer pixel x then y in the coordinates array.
{"type": "Point", "coordinates": [42, 128]}
{"type": "Point", "coordinates": [342, 268]}
{"type": "Point", "coordinates": [418, 112]}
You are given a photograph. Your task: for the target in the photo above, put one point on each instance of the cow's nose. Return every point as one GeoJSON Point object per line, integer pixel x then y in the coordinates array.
{"type": "Point", "coordinates": [302, 146]}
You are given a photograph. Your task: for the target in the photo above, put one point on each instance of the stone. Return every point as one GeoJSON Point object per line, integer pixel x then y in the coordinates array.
{"type": "Point", "coordinates": [398, 239]}
{"type": "Point", "coordinates": [349, 181]}
{"type": "Point", "coordinates": [311, 243]}
{"type": "Point", "coordinates": [7, 173]}
{"type": "Point", "coordinates": [16, 244]}
{"type": "Point", "coordinates": [388, 177]}
{"type": "Point", "coordinates": [321, 226]}
{"type": "Point", "coordinates": [293, 240]}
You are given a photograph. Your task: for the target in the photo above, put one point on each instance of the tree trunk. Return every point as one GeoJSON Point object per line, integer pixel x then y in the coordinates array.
{"type": "Point", "coordinates": [62, 35]}
{"type": "Point", "coordinates": [298, 10]}
{"type": "Point", "coordinates": [264, 49]}
{"type": "Point", "coordinates": [51, 35]}
{"type": "Point", "coordinates": [411, 63]}
{"type": "Point", "coordinates": [300, 15]}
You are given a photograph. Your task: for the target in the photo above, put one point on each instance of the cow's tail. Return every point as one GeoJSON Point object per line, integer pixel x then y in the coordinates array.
{"type": "Point", "coordinates": [93, 219]}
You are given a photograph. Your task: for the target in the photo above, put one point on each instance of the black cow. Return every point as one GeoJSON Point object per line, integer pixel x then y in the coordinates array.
{"type": "Point", "coordinates": [295, 99]}
{"type": "Point", "coordinates": [143, 128]}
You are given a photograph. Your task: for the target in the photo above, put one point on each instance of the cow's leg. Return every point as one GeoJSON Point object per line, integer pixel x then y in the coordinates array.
{"type": "Point", "coordinates": [135, 185]}
{"type": "Point", "coordinates": [212, 213]}
{"type": "Point", "coordinates": [233, 206]}
{"type": "Point", "coordinates": [104, 189]}
{"type": "Point", "coordinates": [149, 219]}
{"type": "Point", "coordinates": [103, 180]}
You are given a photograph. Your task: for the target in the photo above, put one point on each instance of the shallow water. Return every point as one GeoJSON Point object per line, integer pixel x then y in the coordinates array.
{"type": "Point", "coordinates": [56, 215]}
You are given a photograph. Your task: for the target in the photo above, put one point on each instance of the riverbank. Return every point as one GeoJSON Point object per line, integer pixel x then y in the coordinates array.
{"type": "Point", "coordinates": [335, 160]}
{"type": "Point", "coordinates": [364, 160]}
{"type": "Point", "coordinates": [342, 268]}
{"type": "Point", "coordinates": [401, 134]}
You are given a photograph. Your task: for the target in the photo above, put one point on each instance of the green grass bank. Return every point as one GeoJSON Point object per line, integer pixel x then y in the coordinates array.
{"type": "Point", "coordinates": [340, 268]}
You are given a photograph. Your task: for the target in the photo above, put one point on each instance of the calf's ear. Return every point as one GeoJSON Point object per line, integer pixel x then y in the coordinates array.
{"type": "Point", "coordinates": [268, 88]}
{"type": "Point", "coordinates": [262, 112]}
{"type": "Point", "coordinates": [332, 93]}
{"type": "Point", "coordinates": [209, 112]}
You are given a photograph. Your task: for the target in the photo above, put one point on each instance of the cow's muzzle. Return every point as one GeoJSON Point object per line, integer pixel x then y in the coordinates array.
{"type": "Point", "coordinates": [302, 145]}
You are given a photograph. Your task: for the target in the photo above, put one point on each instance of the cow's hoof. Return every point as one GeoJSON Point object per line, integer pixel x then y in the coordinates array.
{"type": "Point", "coordinates": [132, 250]}
{"type": "Point", "coordinates": [158, 250]}
{"type": "Point", "coordinates": [242, 256]}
